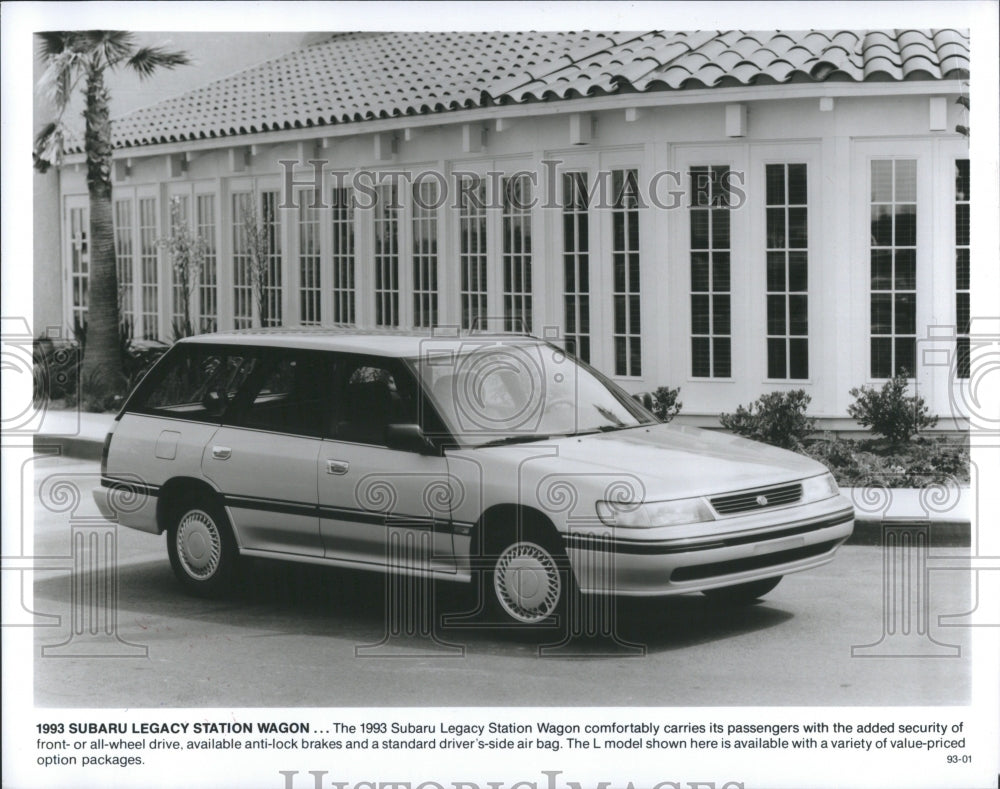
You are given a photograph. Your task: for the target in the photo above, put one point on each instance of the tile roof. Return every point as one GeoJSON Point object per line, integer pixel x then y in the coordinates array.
{"type": "Point", "coordinates": [352, 77]}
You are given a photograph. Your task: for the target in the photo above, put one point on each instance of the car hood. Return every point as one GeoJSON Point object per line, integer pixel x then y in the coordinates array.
{"type": "Point", "coordinates": [669, 461]}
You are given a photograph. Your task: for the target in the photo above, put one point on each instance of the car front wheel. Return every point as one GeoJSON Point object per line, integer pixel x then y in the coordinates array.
{"type": "Point", "coordinates": [741, 594]}
{"type": "Point", "coordinates": [202, 549]}
{"type": "Point", "coordinates": [528, 585]}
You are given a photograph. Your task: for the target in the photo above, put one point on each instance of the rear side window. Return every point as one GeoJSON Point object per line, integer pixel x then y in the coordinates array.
{"type": "Point", "coordinates": [290, 393]}
{"type": "Point", "coordinates": [195, 382]}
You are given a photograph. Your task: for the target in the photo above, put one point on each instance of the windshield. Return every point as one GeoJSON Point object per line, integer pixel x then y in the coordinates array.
{"type": "Point", "coordinates": [491, 392]}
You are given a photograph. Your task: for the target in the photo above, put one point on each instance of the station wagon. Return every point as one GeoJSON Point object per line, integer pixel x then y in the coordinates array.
{"type": "Point", "coordinates": [458, 457]}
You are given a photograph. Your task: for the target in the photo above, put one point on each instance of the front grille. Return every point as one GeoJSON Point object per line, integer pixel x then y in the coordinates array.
{"type": "Point", "coordinates": [760, 561]}
{"type": "Point", "coordinates": [749, 500]}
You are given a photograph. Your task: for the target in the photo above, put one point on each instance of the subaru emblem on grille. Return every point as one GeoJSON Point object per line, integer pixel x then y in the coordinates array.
{"type": "Point", "coordinates": [762, 500]}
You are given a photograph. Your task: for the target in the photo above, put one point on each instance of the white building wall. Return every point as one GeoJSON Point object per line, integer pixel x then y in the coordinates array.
{"type": "Point", "coordinates": [836, 144]}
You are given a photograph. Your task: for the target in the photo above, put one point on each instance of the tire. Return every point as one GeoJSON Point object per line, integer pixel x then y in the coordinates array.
{"type": "Point", "coordinates": [202, 549]}
{"type": "Point", "coordinates": [741, 594]}
{"type": "Point", "coordinates": [529, 581]}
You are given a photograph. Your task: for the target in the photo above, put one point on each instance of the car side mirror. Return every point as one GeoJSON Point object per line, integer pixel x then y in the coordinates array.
{"type": "Point", "coordinates": [645, 399]}
{"type": "Point", "coordinates": [409, 438]}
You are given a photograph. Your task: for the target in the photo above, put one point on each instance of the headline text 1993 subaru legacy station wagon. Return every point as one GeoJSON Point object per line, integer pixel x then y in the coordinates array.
{"type": "Point", "coordinates": [452, 457]}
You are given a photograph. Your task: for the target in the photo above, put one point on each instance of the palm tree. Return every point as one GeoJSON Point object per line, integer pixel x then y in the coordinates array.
{"type": "Point", "coordinates": [72, 58]}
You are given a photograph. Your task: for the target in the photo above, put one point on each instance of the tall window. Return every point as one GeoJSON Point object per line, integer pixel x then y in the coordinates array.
{"type": "Point", "coordinates": [271, 284]}
{"type": "Point", "coordinates": [209, 283]}
{"type": "Point", "coordinates": [893, 267]}
{"type": "Point", "coordinates": [625, 265]}
{"type": "Point", "coordinates": [309, 265]}
{"type": "Point", "coordinates": [342, 212]}
{"type": "Point", "coordinates": [178, 219]}
{"type": "Point", "coordinates": [242, 280]}
{"type": "Point", "coordinates": [787, 272]}
{"type": "Point", "coordinates": [386, 257]}
{"type": "Point", "coordinates": [125, 258]}
{"type": "Point", "coordinates": [148, 267]}
{"type": "Point", "coordinates": [425, 254]}
{"type": "Point", "coordinates": [472, 252]}
{"type": "Point", "coordinates": [576, 264]}
{"type": "Point", "coordinates": [711, 322]}
{"type": "Point", "coordinates": [962, 314]}
{"type": "Point", "coordinates": [517, 253]}
{"type": "Point", "coordinates": [79, 231]}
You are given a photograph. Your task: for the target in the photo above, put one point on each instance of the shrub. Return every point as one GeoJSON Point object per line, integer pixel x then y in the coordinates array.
{"type": "Point", "coordinates": [889, 411]}
{"type": "Point", "coordinates": [665, 403]}
{"type": "Point", "coordinates": [56, 369]}
{"type": "Point", "coordinates": [914, 465]}
{"type": "Point", "coordinates": [57, 365]}
{"type": "Point", "coordinates": [777, 418]}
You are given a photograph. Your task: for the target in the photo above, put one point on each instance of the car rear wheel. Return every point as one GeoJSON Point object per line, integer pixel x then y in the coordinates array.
{"type": "Point", "coordinates": [202, 549]}
{"type": "Point", "coordinates": [741, 594]}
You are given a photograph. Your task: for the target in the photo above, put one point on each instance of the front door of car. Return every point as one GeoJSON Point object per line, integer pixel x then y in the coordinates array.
{"type": "Point", "coordinates": [379, 505]}
{"type": "Point", "coordinates": [264, 457]}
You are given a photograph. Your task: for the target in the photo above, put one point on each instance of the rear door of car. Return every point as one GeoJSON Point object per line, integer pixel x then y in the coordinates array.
{"type": "Point", "coordinates": [175, 411]}
{"type": "Point", "coordinates": [264, 457]}
{"type": "Point", "coordinates": [378, 505]}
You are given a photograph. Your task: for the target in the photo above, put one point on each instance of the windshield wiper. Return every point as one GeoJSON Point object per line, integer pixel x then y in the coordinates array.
{"type": "Point", "coordinates": [518, 439]}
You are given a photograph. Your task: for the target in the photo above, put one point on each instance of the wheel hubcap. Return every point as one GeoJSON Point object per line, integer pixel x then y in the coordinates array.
{"type": "Point", "coordinates": [527, 582]}
{"type": "Point", "coordinates": [199, 545]}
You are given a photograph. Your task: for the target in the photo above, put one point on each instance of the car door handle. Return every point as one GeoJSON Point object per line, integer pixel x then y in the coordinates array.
{"type": "Point", "coordinates": [221, 453]}
{"type": "Point", "coordinates": [337, 467]}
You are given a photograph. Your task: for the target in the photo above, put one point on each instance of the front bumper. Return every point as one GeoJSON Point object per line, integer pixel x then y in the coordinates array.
{"type": "Point", "coordinates": [675, 560]}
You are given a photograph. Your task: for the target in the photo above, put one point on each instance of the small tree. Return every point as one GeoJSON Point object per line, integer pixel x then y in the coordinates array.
{"type": "Point", "coordinates": [889, 411]}
{"type": "Point", "coordinates": [187, 255]}
{"type": "Point", "coordinates": [777, 418]}
{"type": "Point", "coordinates": [258, 237]}
{"type": "Point", "coordinates": [665, 403]}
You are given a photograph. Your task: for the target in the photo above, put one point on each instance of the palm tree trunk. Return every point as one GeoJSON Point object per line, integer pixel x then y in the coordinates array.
{"type": "Point", "coordinates": [102, 360]}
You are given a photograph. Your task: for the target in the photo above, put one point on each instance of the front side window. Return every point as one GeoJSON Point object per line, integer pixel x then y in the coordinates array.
{"type": "Point", "coordinates": [194, 382]}
{"type": "Point", "coordinates": [374, 395]}
{"type": "Point", "coordinates": [710, 246]}
{"type": "Point", "coordinates": [893, 273]}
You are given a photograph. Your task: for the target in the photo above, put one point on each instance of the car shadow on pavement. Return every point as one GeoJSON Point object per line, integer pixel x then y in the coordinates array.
{"type": "Point", "coordinates": [314, 600]}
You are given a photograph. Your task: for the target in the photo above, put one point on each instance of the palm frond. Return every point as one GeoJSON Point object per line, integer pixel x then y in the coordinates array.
{"type": "Point", "coordinates": [60, 77]}
{"type": "Point", "coordinates": [148, 59]}
{"type": "Point", "coordinates": [48, 148]}
{"type": "Point", "coordinates": [52, 44]}
{"type": "Point", "coordinates": [113, 45]}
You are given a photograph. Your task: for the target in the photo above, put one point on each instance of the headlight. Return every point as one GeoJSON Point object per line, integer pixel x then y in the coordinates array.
{"type": "Point", "coordinates": [653, 513]}
{"type": "Point", "coordinates": [819, 488]}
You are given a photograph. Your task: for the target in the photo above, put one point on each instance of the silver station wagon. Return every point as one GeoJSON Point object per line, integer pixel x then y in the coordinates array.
{"type": "Point", "coordinates": [500, 458]}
